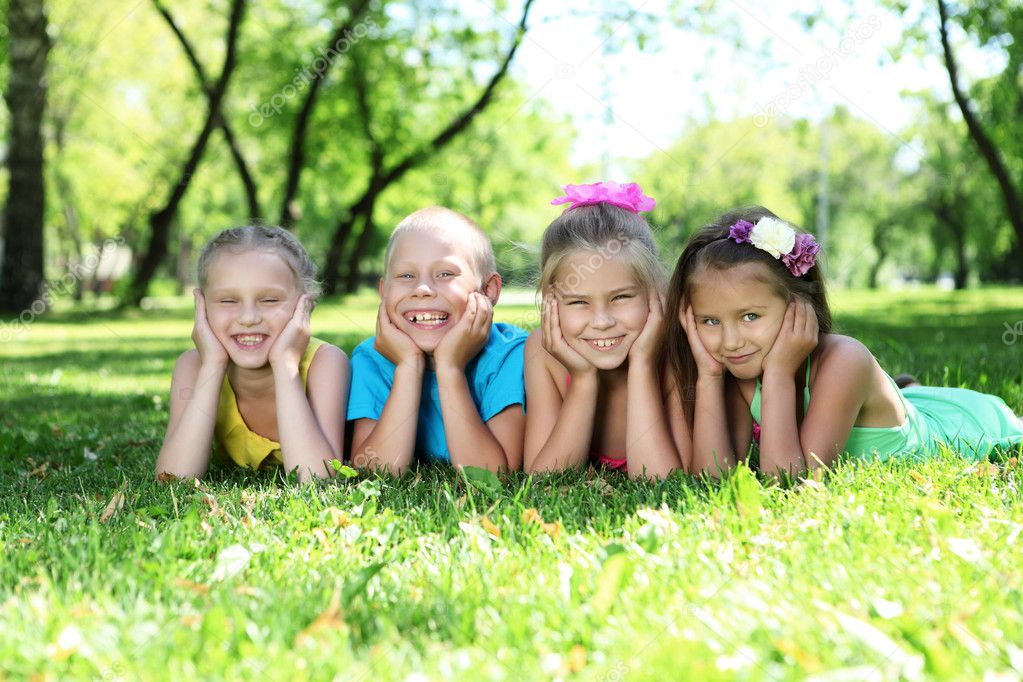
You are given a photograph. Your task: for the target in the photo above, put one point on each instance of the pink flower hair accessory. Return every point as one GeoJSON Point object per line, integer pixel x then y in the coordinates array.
{"type": "Point", "coordinates": [628, 196]}
{"type": "Point", "coordinates": [797, 252]}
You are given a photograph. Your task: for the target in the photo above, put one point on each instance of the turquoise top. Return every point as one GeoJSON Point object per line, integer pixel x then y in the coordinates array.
{"type": "Point", "coordinates": [966, 421]}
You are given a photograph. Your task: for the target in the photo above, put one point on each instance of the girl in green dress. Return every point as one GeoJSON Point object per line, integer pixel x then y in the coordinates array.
{"type": "Point", "coordinates": [754, 358]}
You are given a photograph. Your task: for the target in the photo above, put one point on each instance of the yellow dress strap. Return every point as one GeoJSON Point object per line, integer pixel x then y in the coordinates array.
{"type": "Point", "coordinates": [234, 438]}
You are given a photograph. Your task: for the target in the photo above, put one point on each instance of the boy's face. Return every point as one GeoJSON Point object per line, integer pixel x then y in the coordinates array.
{"type": "Point", "coordinates": [427, 285]}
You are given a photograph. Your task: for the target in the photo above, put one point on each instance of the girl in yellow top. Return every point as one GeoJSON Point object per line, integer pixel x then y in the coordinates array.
{"type": "Point", "coordinates": [256, 380]}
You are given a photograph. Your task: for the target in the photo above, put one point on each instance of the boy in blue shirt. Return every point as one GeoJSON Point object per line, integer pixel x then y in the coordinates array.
{"type": "Point", "coordinates": [439, 380]}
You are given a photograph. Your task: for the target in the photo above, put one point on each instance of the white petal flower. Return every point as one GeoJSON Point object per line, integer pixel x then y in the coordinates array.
{"type": "Point", "coordinates": [774, 236]}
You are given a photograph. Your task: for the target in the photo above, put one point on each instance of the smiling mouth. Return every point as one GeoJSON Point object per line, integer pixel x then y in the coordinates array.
{"type": "Point", "coordinates": [250, 341]}
{"type": "Point", "coordinates": [739, 359]}
{"type": "Point", "coordinates": [432, 319]}
{"type": "Point", "coordinates": [604, 345]}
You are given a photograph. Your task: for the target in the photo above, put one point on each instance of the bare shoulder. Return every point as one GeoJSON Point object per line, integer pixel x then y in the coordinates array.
{"type": "Point", "coordinates": [328, 355]}
{"type": "Point", "coordinates": [843, 355]}
{"type": "Point", "coordinates": [187, 363]}
{"type": "Point", "coordinates": [536, 353]}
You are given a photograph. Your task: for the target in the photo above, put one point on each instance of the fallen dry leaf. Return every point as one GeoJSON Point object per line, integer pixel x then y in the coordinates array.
{"type": "Point", "coordinates": [489, 526]}
{"type": "Point", "coordinates": [164, 477]}
{"type": "Point", "coordinates": [531, 515]}
{"type": "Point", "coordinates": [321, 537]}
{"type": "Point", "coordinates": [198, 588]}
{"type": "Point", "coordinates": [115, 505]}
{"type": "Point", "coordinates": [577, 658]}
{"type": "Point", "coordinates": [339, 518]}
{"type": "Point", "coordinates": [330, 619]}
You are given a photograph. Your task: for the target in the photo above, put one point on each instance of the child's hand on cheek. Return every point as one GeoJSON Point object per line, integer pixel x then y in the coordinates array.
{"type": "Point", "coordinates": [211, 351]}
{"type": "Point", "coordinates": [647, 346]}
{"type": "Point", "coordinates": [554, 341]}
{"type": "Point", "coordinates": [393, 343]}
{"type": "Point", "coordinates": [289, 347]}
{"type": "Point", "coordinates": [706, 365]}
{"type": "Point", "coordinates": [468, 336]}
{"type": "Point", "coordinates": [796, 339]}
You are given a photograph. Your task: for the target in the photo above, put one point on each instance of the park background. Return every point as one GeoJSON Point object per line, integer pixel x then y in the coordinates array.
{"type": "Point", "coordinates": [133, 131]}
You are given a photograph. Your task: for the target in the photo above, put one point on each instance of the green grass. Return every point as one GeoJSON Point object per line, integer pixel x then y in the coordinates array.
{"type": "Point", "coordinates": [875, 572]}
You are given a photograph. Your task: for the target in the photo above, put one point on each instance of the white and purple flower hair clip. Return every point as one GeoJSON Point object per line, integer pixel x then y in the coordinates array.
{"type": "Point", "coordinates": [628, 196]}
{"type": "Point", "coordinates": [798, 252]}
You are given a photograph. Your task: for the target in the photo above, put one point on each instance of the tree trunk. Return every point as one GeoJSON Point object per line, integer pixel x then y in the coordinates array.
{"type": "Point", "coordinates": [296, 155]}
{"type": "Point", "coordinates": [1010, 193]}
{"type": "Point", "coordinates": [160, 221]}
{"type": "Point", "coordinates": [378, 183]}
{"type": "Point", "coordinates": [248, 182]}
{"type": "Point", "coordinates": [359, 252]}
{"type": "Point", "coordinates": [21, 272]}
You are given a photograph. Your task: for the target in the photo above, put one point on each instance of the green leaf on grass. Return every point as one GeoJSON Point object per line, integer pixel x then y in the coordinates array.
{"type": "Point", "coordinates": [614, 574]}
{"type": "Point", "coordinates": [483, 480]}
{"type": "Point", "coordinates": [356, 585]}
{"type": "Point", "coordinates": [343, 470]}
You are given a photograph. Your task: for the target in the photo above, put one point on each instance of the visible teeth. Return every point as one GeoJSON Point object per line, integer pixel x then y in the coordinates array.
{"type": "Point", "coordinates": [249, 340]}
{"type": "Point", "coordinates": [604, 343]}
{"type": "Point", "coordinates": [429, 317]}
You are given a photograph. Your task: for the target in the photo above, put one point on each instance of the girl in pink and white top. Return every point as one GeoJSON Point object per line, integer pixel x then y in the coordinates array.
{"type": "Point", "coordinates": [591, 370]}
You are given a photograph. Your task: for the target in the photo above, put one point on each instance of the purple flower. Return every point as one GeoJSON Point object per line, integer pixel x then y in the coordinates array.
{"type": "Point", "coordinates": [803, 255]}
{"type": "Point", "coordinates": [740, 232]}
{"type": "Point", "coordinates": [628, 196]}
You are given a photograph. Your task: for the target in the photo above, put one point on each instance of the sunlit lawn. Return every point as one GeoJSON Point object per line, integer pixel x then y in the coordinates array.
{"type": "Point", "coordinates": [875, 572]}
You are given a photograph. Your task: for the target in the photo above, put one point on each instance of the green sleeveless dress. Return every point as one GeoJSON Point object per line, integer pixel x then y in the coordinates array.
{"type": "Point", "coordinates": [968, 422]}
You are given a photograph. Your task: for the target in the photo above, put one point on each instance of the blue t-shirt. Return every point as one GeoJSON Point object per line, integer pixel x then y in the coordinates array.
{"type": "Point", "coordinates": [494, 377]}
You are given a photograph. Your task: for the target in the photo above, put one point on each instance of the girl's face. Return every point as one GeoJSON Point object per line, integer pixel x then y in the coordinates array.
{"type": "Point", "coordinates": [601, 306]}
{"type": "Point", "coordinates": [738, 316]}
{"type": "Point", "coordinates": [250, 298]}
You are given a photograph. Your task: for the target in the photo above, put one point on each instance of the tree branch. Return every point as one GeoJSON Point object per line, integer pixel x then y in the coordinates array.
{"type": "Point", "coordinates": [364, 205]}
{"type": "Point", "coordinates": [251, 189]}
{"type": "Point", "coordinates": [296, 154]}
{"type": "Point", "coordinates": [1010, 194]}
{"type": "Point", "coordinates": [160, 220]}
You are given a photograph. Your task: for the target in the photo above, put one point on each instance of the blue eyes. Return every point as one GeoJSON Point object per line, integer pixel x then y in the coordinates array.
{"type": "Point", "coordinates": [748, 317]}
{"type": "Point", "coordinates": [441, 275]}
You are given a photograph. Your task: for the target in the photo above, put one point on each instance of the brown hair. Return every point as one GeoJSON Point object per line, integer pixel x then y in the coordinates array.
{"type": "Point", "coordinates": [711, 248]}
{"type": "Point", "coordinates": [608, 231]}
{"type": "Point", "coordinates": [263, 238]}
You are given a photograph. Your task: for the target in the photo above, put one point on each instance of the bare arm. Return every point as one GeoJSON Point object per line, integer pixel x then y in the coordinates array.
{"type": "Point", "coordinates": [390, 442]}
{"type": "Point", "coordinates": [649, 449]}
{"type": "Point", "coordinates": [498, 443]}
{"type": "Point", "coordinates": [470, 441]}
{"type": "Point", "coordinates": [843, 381]}
{"type": "Point", "coordinates": [558, 431]}
{"type": "Point", "coordinates": [713, 450]}
{"type": "Point", "coordinates": [310, 420]}
{"type": "Point", "coordinates": [195, 396]}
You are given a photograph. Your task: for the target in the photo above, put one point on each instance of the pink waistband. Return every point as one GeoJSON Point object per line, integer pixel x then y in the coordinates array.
{"type": "Point", "coordinates": [612, 463]}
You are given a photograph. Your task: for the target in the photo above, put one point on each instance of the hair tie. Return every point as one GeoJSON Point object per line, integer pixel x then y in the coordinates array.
{"type": "Point", "coordinates": [798, 252]}
{"type": "Point", "coordinates": [628, 196]}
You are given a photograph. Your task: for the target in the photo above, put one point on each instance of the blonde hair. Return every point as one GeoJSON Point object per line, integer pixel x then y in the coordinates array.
{"type": "Point", "coordinates": [438, 220]}
{"type": "Point", "coordinates": [262, 238]}
{"type": "Point", "coordinates": [607, 231]}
